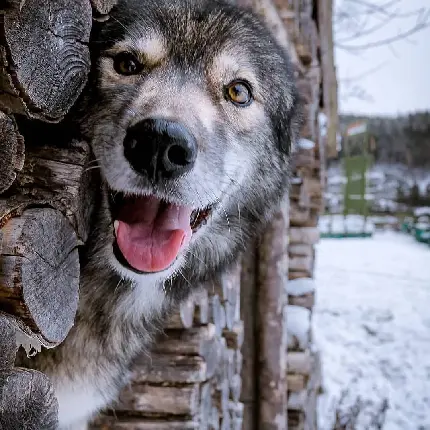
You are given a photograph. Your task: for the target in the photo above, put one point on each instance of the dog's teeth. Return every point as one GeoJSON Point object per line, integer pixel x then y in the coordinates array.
{"type": "Point", "coordinates": [115, 226]}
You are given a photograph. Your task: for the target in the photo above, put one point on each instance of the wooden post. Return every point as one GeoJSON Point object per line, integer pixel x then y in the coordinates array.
{"type": "Point", "coordinates": [248, 302]}
{"type": "Point", "coordinates": [271, 305]}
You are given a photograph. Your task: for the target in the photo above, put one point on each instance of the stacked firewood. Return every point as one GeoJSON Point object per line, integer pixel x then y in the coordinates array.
{"type": "Point", "coordinates": [192, 378]}
{"type": "Point", "coordinates": [309, 27]}
{"type": "Point", "coordinates": [303, 361]}
{"type": "Point", "coordinates": [45, 196]}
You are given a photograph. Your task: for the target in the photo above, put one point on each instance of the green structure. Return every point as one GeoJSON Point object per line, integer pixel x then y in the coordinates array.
{"type": "Point", "coordinates": [358, 146]}
{"type": "Point", "coordinates": [356, 163]}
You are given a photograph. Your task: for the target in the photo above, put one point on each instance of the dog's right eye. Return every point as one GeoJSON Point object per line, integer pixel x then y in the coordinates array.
{"type": "Point", "coordinates": [126, 63]}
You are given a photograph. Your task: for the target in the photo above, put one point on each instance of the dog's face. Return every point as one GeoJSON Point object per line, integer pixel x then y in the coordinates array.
{"type": "Point", "coordinates": [192, 113]}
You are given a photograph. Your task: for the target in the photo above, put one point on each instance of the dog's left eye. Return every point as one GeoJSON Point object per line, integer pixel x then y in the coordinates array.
{"type": "Point", "coordinates": [239, 93]}
{"type": "Point", "coordinates": [126, 63]}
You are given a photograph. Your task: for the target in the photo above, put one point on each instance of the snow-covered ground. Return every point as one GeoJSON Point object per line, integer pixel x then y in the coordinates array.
{"type": "Point", "coordinates": [372, 325]}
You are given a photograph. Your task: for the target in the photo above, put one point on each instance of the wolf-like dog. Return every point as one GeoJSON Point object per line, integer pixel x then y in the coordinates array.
{"type": "Point", "coordinates": [191, 111]}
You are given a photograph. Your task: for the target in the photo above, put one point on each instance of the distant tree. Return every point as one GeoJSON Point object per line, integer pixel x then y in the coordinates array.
{"type": "Point", "coordinates": [352, 23]}
{"type": "Point", "coordinates": [404, 139]}
{"type": "Point", "coordinates": [414, 196]}
{"type": "Point", "coordinates": [400, 194]}
{"type": "Point", "coordinates": [357, 24]}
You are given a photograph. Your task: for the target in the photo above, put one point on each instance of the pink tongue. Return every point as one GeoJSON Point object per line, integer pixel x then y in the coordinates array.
{"type": "Point", "coordinates": [150, 235]}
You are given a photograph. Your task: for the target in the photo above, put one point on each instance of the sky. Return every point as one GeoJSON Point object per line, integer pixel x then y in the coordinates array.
{"type": "Point", "coordinates": [396, 77]}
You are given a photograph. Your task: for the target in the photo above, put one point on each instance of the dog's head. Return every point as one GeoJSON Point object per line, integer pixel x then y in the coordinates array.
{"type": "Point", "coordinates": [192, 114]}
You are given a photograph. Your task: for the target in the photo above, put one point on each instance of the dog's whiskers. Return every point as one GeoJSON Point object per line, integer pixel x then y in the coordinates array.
{"type": "Point", "coordinates": [91, 168]}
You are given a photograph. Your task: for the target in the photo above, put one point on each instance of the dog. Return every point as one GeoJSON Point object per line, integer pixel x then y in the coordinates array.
{"type": "Point", "coordinates": [192, 112]}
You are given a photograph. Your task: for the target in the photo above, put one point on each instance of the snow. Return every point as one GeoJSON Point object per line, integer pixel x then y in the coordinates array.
{"type": "Point", "coordinates": [372, 325]}
{"type": "Point", "coordinates": [300, 287]}
{"type": "Point", "coordinates": [31, 345]}
{"type": "Point", "coordinates": [298, 327]}
{"type": "Point", "coordinates": [338, 224]}
{"type": "Point", "coordinates": [305, 144]}
{"type": "Point", "coordinates": [422, 211]}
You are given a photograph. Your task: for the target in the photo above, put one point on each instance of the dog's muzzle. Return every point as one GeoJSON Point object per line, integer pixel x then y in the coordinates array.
{"type": "Point", "coordinates": [160, 149]}
{"type": "Point", "coordinates": [151, 230]}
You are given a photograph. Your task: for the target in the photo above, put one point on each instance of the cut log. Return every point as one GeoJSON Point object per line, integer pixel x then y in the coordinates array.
{"type": "Point", "coordinates": [297, 275]}
{"type": "Point", "coordinates": [170, 369]}
{"type": "Point", "coordinates": [299, 216]}
{"type": "Point", "coordinates": [300, 249]}
{"type": "Point", "coordinates": [194, 312]}
{"type": "Point", "coordinates": [306, 235]}
{"type": "Point", "coordinates": [201, 341]}
{"type": "Point", "coordinates": [45, 58]}
{"type": "Point", "coordinates": [58, 175]}
{"type": "Point", "coordinates": [235, 388]}
{"type": "Point", "coordinates": [27, 401]}
{"type": "Point", "coordinates": [306, 301]}
{"type": "Point", "coordinates": [234, 338]}
{"type": "Point", "coordinates": [300, 362]}
{"type": "Point", "coordinates": [214, 419]}
{"type": "Point", "coordinates": [239, 363]}
{"type": "Point", "coordinates": [129, 423]}
{"type": "Point", "coordinates": [217, 314]}
{"type": "Point", "coordinates": [205, 406]}
{"type": "Point", "coordinates": [236, 412]}
{"type": "Point", "coordinates": [296, 420]}
{"type": "Point", "coordinates": [221, 398]}
{"type": "Point", "coordinates": [11, 151]}
{"type": "Point", "coordinates": [8, 343]}
{"type": "Point", "coordinates": [297, 401]}
{"type": "Point", "coordinates": [296, 382]}
{"type": "Point", "coordinates": [184, 318]}
{"type": "Point", "coordinates": [39, 274]}
{"type": "Point", "coordinates": [272, 271]}
{"type": "Point", "coordinates": [301, 264]}
{"type": "Point", "coordinates": [153, 400]}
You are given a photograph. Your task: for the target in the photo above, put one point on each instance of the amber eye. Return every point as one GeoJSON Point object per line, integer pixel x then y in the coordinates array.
{"type": "Point", "coordinates": [239, 93]}
{"type": "Point", "coordinates": [126, 63]}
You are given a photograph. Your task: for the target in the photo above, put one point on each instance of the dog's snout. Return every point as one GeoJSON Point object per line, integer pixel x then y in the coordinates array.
{"type": "Point", "coordinates": [160, 148]}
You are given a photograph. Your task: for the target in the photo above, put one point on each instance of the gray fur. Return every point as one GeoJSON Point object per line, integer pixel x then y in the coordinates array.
{"type": "Point", "coordinates": [193, 49]}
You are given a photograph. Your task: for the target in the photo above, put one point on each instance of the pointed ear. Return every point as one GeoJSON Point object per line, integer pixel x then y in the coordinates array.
{"type": "Point", "coordinates": [287, 124]}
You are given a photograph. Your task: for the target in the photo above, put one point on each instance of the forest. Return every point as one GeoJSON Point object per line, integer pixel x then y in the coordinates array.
{"type": "Point", "coordinates": [404, 139]}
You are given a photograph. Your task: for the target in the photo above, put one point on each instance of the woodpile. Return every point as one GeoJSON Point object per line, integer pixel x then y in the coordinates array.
{"type": "Point", "coordinates": [192, 378]}
{"type": "Point", "coordinates": [303, 362]}
{"type": "Point", "coordinates": [45, 198]}
{"type": "Point", "coordinates": [309, 26]}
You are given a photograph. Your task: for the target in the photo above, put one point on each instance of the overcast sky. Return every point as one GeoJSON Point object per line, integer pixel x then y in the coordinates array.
{"type": "Point", "coordinates": [401, 81]}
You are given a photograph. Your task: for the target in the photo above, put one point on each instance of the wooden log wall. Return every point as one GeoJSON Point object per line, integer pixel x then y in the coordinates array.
{"type": "Point", "coordinates": [45, 193]}
{"type": "Point", "coordinates": [309, 26]}
{"type": "Point", "coordinates": [192, 379]}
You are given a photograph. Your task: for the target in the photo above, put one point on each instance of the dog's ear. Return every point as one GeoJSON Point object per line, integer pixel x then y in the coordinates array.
{"type": "Point", "coordinates": [287, 123]}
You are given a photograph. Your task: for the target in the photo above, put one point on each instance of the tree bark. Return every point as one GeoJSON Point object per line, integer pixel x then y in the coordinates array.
{"type": "Point", "coordinates": [11, 151]}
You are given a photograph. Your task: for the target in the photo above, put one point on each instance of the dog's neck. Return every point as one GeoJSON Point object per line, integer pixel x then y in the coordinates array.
{"type": "Point", "coordinates": [123, 301]}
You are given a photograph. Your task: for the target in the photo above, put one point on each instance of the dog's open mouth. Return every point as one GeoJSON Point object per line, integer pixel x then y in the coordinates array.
{"type": "Point", "coordinates": [150, 233]}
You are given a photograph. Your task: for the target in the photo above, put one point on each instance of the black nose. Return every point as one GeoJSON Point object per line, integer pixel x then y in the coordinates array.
{"type": "Point", "coordinates": [160, 148]}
